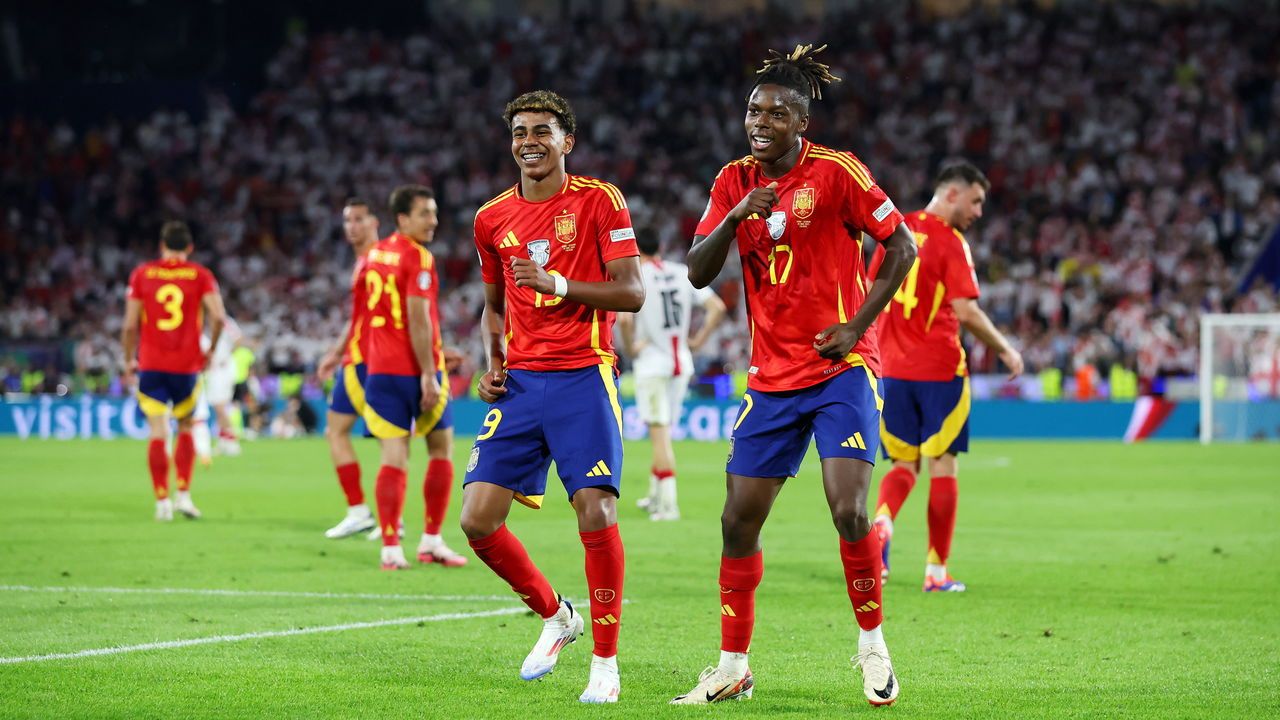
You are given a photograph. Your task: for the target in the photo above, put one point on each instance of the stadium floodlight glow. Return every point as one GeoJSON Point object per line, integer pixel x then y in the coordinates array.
{"type": "Point", "coordinates": [1239, 377]}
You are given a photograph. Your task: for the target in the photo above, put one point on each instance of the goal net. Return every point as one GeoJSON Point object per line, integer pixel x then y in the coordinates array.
{"type": "Point", "coordinates": [1239, 377]}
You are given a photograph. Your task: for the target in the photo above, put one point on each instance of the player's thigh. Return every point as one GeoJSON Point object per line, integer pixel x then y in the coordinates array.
{"type": "Point", "coordinates": [944, 421]}
{"type": "Point", "coordinates": [900, 421]}
{"type": "Point", "coordinates": [846, 415]}
{"type": "Point", "coordinates": [220, 385]}
{"type": "Point", "coordinates": [391, 405]}
{"type": "Point", "coordinates": [770, 436]}
{"type": "Point", "coordinates": [510, 451]}
{"type": "Point", "coordinates": [583, 427]}
{"type": "Point", "coordinates": [440, 443]}
{"type": "Point", "coordinates": [652, 399]}
{"type": "Point", "coordinates": [339, 424]}
{"type": "Point", "coordinates": [677, 389]}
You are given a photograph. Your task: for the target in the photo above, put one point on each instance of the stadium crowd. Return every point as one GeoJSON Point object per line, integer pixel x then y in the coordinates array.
{"type": "Point", "coordinates": [1133, 149]}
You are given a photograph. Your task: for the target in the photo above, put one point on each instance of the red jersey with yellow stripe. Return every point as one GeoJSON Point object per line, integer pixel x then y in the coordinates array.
{"type": "Point", "coordinates": [574, 234]}
{"type": "Point", "coordinates": [802, 266]}
{"type": "Point", "coordinates": [358, 334]}
{"type": "Point", "coordinates": [171, 292]}
{"type": "Point", "coordinates": [398, 268]}
{"type": "Point", "coordinates": [919, 330]}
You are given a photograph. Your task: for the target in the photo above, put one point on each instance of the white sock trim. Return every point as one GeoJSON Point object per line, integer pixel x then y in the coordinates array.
{"type": "Point", "coordinates": [873, 636]}
{"type": "Point", "coordinates": [733, 663]}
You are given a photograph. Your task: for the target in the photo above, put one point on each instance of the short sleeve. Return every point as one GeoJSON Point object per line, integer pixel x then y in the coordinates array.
{"type": "Point", "coordinates": [616, 236]}
{"type": "Point", "coordinates": [490, 261]}
{"type": "Point", "coordinates": [718, 205]}
{"type": "Point", "coordinates": [869, 208]}
{"type": "Point", "coordinates": [134, 291]}
{"type": "Point", "coordinates": [961, 276]}
{"type": "Point", "coordinates": [421, 278]}
{"type": "Point", "coordinates": [208, 283]}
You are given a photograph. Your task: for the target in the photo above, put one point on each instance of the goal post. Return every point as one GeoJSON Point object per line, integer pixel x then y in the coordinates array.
{"type": "Point", "coordinates": [1239, 377]}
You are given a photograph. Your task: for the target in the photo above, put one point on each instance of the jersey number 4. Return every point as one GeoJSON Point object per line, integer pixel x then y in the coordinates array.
{"type": "Point", "coordinates": [376, 285]}
{"type": "Point", "coordinates": [908, 295]}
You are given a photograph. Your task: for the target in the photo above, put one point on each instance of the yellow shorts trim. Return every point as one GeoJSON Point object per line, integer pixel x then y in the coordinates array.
{"type": "Point", "coordinates": [938, 443]}
{"type": "Point", "coordinates": [152, 407]}
{"type": "Point", "coordinates": [380, 427]}
{"type": "Point", "coordinates": [897, 448]}
{"type": "Point", "coordinates": [606, 374]}
{"type": "Point", "coordinates": [355, 391]}
{"type": "Point", "coordinates": [531, 501]}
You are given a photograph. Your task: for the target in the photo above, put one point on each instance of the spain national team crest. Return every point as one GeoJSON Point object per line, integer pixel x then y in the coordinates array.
{"type": "Point", "coordinates": [567, 231]}
{"type": "Point", "coordinates": [540, 252]}
{"type": "Point", "coordinates": [802, 202]}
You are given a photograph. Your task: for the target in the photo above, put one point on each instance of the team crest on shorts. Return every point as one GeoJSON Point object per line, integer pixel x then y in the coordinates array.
{"type": "Point", "coordinates": [777, 223]}
{"type": "Point", "coordinates": [730, 448]}
{"type": "Point", "coordinates": [475, 459]}
{"type": "Point", "coordinates": [567, 231]}
{"type": "Point", "coordinates": [540, 252]}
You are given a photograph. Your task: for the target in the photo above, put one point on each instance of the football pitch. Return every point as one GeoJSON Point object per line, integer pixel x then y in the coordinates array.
{"type": "Point", "coordinates": [1104, 580]}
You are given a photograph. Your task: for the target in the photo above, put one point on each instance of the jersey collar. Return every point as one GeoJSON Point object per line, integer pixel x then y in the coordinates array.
{"type": "Point", "coordinates": [563, 187]}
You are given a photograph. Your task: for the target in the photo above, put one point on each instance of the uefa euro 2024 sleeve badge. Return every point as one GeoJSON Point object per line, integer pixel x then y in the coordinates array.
{"type": "Point", "coordinates": [540, 252]}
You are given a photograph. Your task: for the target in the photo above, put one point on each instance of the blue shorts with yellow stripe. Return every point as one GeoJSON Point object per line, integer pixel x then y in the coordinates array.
{"type": "Point", "coordinates": [393, 406]}
{"type": "Point", "coordinates": [157, 390]}
{"type": "Point", "coordinates": [348, 390]}
{"type": "Point", "coordinates": [925, 418]}
{"type": "Point", "coordinates": [773, 430]}
{"type": "Point", "coordinates": [569, 416]}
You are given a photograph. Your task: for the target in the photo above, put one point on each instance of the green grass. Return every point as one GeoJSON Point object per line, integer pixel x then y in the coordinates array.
{"type": "Point", "coordinates": [1104, 581]}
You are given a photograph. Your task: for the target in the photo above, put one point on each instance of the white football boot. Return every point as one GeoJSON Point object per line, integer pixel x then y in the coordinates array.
{"type": "Point", "coordinates": [665, 507]}
{"type": "Point", "coordinates": [878, 680]}
{"type": "Point", "coordinates": [431, 549]}
{"type": "Point", "coordinates": [164, 510]}
{"type": "Point", "coordinates": [558, 631]}
{"type": "Point", "coordinates": [186, 507]}
{"type": "Point", "coordinates": [716, 685]}
{"type": "Point", "coordinates": [393, 558]}
{"type": "Point", "coordinates": [359, 519]}
{"type": "Point", "coordinates": [604, 685]}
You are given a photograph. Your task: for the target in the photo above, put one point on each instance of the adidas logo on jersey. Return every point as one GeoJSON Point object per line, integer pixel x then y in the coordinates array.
{"type": "Point", "coordinates": [855, 442]}
{"type": "Point", "coordinates": [509, 241]}
{"type": "Point", "coordinates": [600, 470]}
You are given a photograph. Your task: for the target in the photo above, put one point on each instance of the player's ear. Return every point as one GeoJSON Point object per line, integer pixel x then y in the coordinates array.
{"type": "Point", "coordinates": [804, 123]}
{"type": "Point", "coordinates": [569, 141]}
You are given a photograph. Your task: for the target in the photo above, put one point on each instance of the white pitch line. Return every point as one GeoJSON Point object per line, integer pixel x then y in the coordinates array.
{"type": "Point", "coordinates": [170, 644]}
{"type": "Point", "coordinates": [253, 593]}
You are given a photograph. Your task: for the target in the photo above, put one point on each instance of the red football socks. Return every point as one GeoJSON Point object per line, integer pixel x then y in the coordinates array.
{"type": "Point", "coordinates": [504, 554]}
{"type": "Point", "coordinates": [390, 493]}
{"type": "Point", "coordinates": [739, 578]}
{"type": "Point", "coordinates": [349, 479]}
{"type": "Point", "coordinates": [895, 486]}
{"type": "Point", "coordinates": [862, 566]}
{"type": "Point", "coordinates": [663, 474]}
{"type": "Point", "coordinates": [435, 492]}
{"type": "Point", "coordinates": [944, 494]}
{"type": "Point", "coordinates": [158, 461]}
{"type": "Point", "coordinates": [184, 460]}
{"type": "Point", "coordinates": [605, 566]}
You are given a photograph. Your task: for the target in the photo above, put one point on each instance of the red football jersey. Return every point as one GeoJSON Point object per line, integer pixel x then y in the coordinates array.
{"type": "Point", "coordinates": [802, 267]}
{"type": "Point", "coordinates": [172, 293]}
{"type": "Point", "coordinates": [573, 233]}
{"type": "Point", "coordinates": [396, 269]}
{"type": "Point", "coordinates": [358, 343]}
{"type": "Point", "coordinates": [919, 331]}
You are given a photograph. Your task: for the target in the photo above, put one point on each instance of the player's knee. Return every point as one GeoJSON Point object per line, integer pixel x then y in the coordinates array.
{"type": "Point", "coordinates": [851, 520]}
{"type": "Point", "coordinates": [740, 534]}
{"type": "Point", "coordinates": [476, 527]}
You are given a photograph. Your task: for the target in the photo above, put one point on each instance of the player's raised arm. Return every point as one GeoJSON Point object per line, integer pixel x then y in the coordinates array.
{"type": "Point", "coordinates": [706, 257]}
{"type": "Point", "coordinates": [622, 292]}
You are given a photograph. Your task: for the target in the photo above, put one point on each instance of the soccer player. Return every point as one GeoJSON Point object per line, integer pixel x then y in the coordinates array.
{"type": "Point", "coordinates": [657, 341]}
{"type": "Point", "coordinates": [167, 304]}
{"type": "Point", "coordinates": [220, 385]}
{"type": "Point", "coordinates": [926, 385]}
{"type": "Point", "coordinates": [346, 401]}
{"type": "Point", "coordinates": [406, 391]}
{"type": "Point", "coordinates": [798, 211]}
{"type": "Point", "coordinates": [558, 259]}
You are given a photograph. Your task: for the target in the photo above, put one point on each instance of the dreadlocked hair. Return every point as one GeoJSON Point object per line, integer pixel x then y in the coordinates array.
{"type": "Point", "coordinates": [799, 71]}
{"type": "Point", "coordinates": [543, 101]}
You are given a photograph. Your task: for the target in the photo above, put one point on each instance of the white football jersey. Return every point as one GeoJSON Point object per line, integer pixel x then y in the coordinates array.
{"type": "Point", "coordinates": [226, 345]}
{"type": "Point", "coordinates": [662, 325]}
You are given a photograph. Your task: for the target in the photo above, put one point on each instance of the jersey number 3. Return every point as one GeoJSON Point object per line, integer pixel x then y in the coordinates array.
{"type": "Point", "coordinates": [170, 297]}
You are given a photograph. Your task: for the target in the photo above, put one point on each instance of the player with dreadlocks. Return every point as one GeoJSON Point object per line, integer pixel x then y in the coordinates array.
{"type": "Point", "coordinates": [798, 211]}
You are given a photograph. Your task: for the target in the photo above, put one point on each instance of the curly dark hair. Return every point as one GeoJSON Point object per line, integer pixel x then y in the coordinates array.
{"type": "Point", "coordinates": [543, 101]}
{"type": "Point", "coordinates": [799, 71]}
